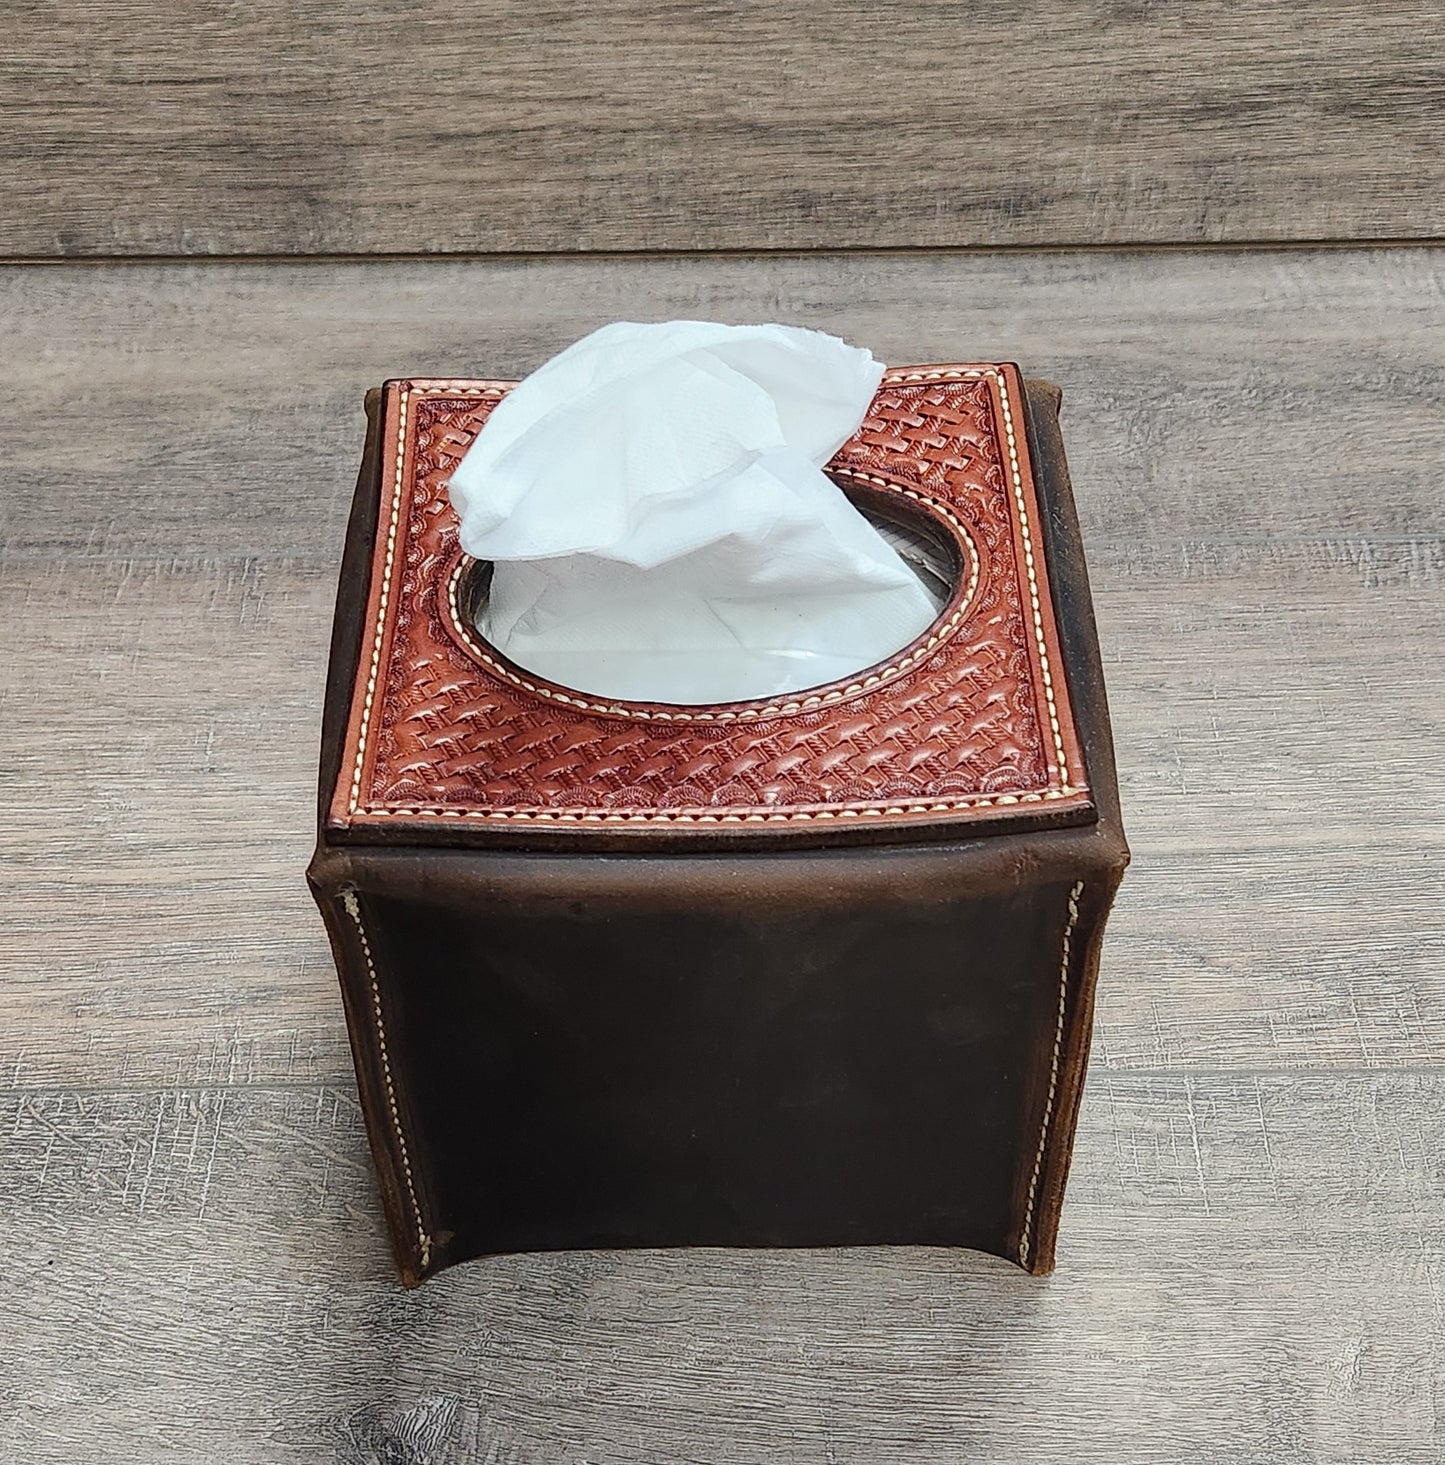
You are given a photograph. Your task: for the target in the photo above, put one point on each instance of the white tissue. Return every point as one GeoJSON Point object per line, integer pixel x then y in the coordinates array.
{"type": "Point", "coordinates": [653, 502]}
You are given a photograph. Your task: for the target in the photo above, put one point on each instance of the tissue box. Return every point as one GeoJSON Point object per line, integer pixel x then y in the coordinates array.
{"type": "Point", "coordinates": [814, 971]}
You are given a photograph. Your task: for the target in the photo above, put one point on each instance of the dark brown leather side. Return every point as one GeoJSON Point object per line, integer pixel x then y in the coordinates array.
{"type": "Point", "coordinates": [1083, 666]}
{"type": "Point", "coordinates": [353, 968]}
{"type": "Point", "coordinates": [350, 601]}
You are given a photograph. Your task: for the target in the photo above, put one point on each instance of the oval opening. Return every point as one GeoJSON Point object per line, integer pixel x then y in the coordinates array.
{"type": "Point", "coordinates": [920, 541]}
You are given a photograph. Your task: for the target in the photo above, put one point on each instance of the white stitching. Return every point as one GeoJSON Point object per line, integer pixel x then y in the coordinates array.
{"type": "Point", "coordinates": [712, 816]}
{"type": "Point", "coordinates": [379, 625]}
{"type": "Point", "coordinates": [1066, 953]}
{"type": "Point", "coordinates": [353, 909]}
{"type": "Point", "coordinates": [1008, 422]}
{"type": "Point", "coordinates": [435, 388]}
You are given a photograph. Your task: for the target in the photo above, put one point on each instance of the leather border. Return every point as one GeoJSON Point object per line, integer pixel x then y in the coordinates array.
{"type": "Point", "coordinates": [1065, 799]}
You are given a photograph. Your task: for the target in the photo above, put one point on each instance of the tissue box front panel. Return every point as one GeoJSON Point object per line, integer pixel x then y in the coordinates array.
{"type": "Point", "coordinates": [970, 723]}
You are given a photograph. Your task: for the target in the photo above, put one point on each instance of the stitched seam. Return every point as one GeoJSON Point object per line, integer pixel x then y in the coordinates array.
{"type": "Point", "coordinates": [353, 909]}
{"type": "Point", "coordinates": [459, 391]}
{"type": "Point", "coordinates": [378, 627]}
{"type": "Point", "coordinates": [1026, 1238]}
{"type": "Point", "coordinates": [702, 816]}
{"type": "Point", "coordinates": [1018, 488]}
{"type": "Point", "coordinates": [894, 377]}
{"type": "Point", "coordinates": [743, 714]}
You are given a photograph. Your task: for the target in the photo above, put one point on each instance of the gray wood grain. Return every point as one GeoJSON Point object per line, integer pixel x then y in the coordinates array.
{"type": "Point", "coordinates": [176, 412]}
{"type": "Point", "coordinates": [1256, 442]}
{"type": "Point", "coordinates": [1251, 1265]}
{"type": "Point", "coordinates": [1250, 1270]}
{"type": "Point", "coordinates": [274, 127]}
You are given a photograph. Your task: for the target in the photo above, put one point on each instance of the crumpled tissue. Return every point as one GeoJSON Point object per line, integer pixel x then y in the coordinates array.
{"type": "Point", "coordinates": [653, 502]}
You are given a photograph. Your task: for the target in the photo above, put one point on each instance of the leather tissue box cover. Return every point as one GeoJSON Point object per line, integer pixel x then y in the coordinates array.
{"type": "Point", "coordinates": [811, 971]}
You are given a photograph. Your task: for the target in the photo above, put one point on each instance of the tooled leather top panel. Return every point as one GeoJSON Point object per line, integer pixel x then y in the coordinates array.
{"type": "Point", "coordinates": [971, 721]}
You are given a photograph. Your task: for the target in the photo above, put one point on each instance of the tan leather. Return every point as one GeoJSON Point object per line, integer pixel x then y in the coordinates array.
{"type": "Point", "coordinates": [972, 722]}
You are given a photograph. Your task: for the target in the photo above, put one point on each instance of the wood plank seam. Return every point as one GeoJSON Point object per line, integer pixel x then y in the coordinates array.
{"type": "Point", "coordinates": [1065, 955]}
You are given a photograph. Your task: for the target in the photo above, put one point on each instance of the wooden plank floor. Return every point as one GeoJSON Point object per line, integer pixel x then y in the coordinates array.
{"type": "Point", "coordinates": [1252, 1261]}
{"type": "Point", "coordinates": [271, 127]}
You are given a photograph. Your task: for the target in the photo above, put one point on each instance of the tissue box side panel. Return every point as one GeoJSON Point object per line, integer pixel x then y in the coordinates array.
{"type": "Point", "coordinates": [1083, 668]}
{"type": "Point", "coordinates": [841, 1047]}
{"type": "Point", "coordinates": [352, 589]}
{"type": "Point", "coordinates": [970, 724]}
{"type": "Point", "coordinates": [332, 889]}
